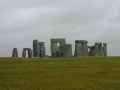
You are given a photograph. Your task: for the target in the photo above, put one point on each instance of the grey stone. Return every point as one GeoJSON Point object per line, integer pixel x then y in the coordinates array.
{"type": "Point", "coordinates": [27, 50]}
{"type": "Point", "coordinates": [91, 51]}
{"type": "Point", "coordinates": [81, 48]}
{"type": "Point", "coordinates": [57, 47]}
{"type": "Point", "coordinates": [35, 48]}
{"type": "Point", "coordinates": [15, 53]}
{"type": "Point", "coordinates": [41, 48]}
{"type": "Point", "coordinates": [105, 49]}
{"type": "Point", "coordinates": [99, 49]}
{"type": "Point", "coordinates": [68, 50]}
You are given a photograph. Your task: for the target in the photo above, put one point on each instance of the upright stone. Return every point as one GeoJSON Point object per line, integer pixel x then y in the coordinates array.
{"type": "Point", "coordinates": [24, 53]}
{"type": "Point", "coordinates": [35, 48]}
{"type": "Point", "coordinates": [15, 53]}
{"type": "Point", "coordinates": [68, 50]}
{"type": "Point", "coordinates": [105, 49]}
{"type": "Point", "coordinates": [78, 48]}
{"type": "Point", "coordinates": [30, 53]}
{"type": "Point", "coordinates": [101, 53]}
{"type": "Point", "coordinates": [41, 49]}
{"type": "Point", "coordinates": [97, 51]}
{"type": "Point", "coordinates": [85, 48]}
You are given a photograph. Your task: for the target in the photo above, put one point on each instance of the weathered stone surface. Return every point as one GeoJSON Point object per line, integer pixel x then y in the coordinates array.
{"type": "Point", "coordinates": [105, 49]}
{"type": "Point", "coordinates": [41, 48]}
{"type": "Point", "coordinates": [99, 49]}
{"type": "Point", "coordinates": [15, 53]}
{"type": "Point", "coordinates": [92, 51]}
{"type": "Point", "coordinates": [35, 48]}
{"type": "Point", "coordinates": [27, 50]}
{"type": "Point", "coordinates": [81, 48]}
{"type": "Point", "coordinates": [68, 50]}
{"type": "Point", "coordinates": [57, 47]}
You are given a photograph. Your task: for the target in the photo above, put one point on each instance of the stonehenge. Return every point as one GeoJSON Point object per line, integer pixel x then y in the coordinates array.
{"type": "Point", "coordinates": [59, 48]}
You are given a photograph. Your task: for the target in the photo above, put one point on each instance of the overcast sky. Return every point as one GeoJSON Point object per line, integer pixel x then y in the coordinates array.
{"type": "Point", "coordinates": [21, 21]}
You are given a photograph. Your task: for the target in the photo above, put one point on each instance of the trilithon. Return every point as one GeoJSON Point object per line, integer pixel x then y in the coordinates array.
{"type": "Point", "coordinates": [57, 47]}
{"type": "Point", "coordinates": [27, 51]}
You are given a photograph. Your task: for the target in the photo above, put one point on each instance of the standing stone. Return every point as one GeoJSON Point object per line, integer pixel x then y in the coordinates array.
{"type": "Point", "coordinates": [24, 53]}
{"type": "Point", "coordinates": [15, 53]}
{"type": "Point", "coordinates": [68, 50]}
{"type": "Point", "coordinates": [97, 50]}
{"type": "Point", "coordinates": [41, 48]}
{"type": "Point", "coordinates": [105, 49]}
{"type": "Point", "coordinates": [35, 48]}
{"type": "Point", "coordinates": [101, 53]}
{"type": "Point", "coordinates": [29, 52]}
{"type": "Point", "coordinates": [78, 48]}
{"type": "Point", "coordinates": [81, 48]}
{"type": "Point", "coordinates": [85, 48]}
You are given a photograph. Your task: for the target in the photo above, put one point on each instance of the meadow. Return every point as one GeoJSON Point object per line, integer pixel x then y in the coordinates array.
{"type": "Point", "coordinates": [85, 73]}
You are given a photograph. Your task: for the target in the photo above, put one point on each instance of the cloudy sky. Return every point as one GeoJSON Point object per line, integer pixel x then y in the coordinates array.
{"type": "Point", "coordinates": [21, 21]}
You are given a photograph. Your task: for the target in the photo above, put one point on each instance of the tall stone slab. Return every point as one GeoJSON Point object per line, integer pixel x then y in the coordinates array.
{"type": "Point", "coordinates": [85, 48]}
{"type": "Point", "coordinates": [35, 48]}
{"type": "Point", "coordinates": [41, 48]}
{"type": "Point", "coordinates": [15, 53]}
{"type": "Point", "coordinates": [105, 49]}
{"type": "Point", "coordinates": [97, 49]}
{"type": "Point", "coordinates": [68, 50]}
{"type": "Point", "coordinates": [101, 53]}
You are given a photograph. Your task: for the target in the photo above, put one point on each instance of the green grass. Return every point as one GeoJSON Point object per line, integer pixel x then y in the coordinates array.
{"type": "Point", "coordinates": [86, 73]}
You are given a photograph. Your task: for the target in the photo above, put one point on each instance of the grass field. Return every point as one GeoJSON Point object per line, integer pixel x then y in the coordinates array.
{"type": "Point", "coordinates": [89, 73]}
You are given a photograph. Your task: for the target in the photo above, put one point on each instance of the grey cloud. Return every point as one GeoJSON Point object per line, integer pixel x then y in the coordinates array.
{"type": "Point", "coordinates": [25, 20]}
